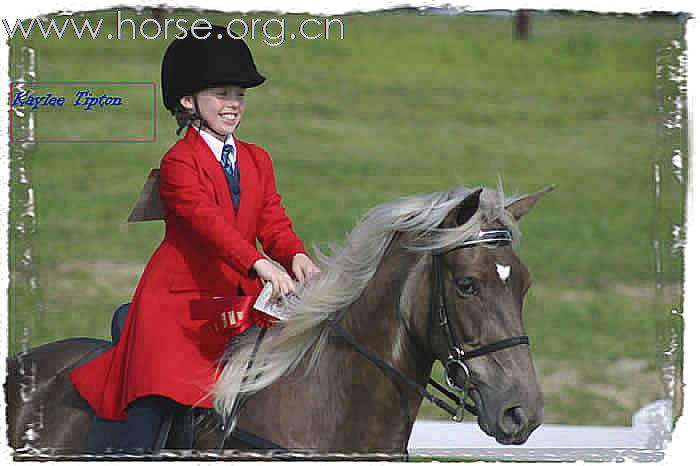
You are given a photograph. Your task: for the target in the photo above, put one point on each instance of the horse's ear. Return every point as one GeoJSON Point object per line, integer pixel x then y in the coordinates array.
{"type": "Point", "coordinates": [521, 206]}
{"type": "Point", "coordinates": [464, 211]}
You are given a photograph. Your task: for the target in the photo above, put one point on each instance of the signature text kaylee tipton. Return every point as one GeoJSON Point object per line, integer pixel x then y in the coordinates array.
{"type": "Point", "coordinates": [83, 100]}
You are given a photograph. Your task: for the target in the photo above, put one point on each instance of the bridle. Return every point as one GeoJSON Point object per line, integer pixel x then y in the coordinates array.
{"type": "Point", "coordinates": [457, 356]}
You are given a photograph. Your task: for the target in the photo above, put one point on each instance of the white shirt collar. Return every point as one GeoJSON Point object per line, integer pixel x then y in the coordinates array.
{"type": "Point", "coordinates": [217, 146]}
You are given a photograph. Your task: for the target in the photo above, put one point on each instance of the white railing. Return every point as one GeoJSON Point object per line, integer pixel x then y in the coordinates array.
{"type": "Point", "coordinates": [645, 439]}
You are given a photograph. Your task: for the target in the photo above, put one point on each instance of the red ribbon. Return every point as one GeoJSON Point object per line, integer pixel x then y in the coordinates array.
{"type": "Point", "coordinates": [229, 314]}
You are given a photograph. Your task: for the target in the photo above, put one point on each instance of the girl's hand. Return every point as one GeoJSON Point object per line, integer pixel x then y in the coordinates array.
{"type": "Point", "coordinates": [303, 268]}
{"type": "Point", "coordinates": [282, 283]}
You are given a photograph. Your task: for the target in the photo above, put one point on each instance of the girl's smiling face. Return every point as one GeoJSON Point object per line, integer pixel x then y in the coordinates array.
{"type": "Point", "coordinates": [222, 107]}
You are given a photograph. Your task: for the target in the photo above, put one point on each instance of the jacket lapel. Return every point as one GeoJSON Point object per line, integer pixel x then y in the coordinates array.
{"type": "Point", "coordinates": [248, 180]}
{"type": "Point", "coordinates": [213, 170]}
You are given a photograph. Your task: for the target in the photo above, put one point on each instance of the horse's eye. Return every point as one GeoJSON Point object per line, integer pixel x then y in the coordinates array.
{"type": "Point", "coordinates": [467, 286]}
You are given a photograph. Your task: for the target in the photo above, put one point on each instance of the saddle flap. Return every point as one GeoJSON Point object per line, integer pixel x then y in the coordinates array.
{"type": "Point", "coordinates": [148, 205]}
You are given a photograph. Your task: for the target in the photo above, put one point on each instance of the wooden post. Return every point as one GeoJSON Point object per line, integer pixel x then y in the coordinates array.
{"type": "Point", "coordinates": [522, 24]}
{"type": "Point", "coordinates": [158, 14]}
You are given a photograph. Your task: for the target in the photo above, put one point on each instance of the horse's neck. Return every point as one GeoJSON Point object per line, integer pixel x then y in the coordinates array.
{"type": "Point", "coordinates": [376, 412]}
{"type": "Point", "coordinates": [379, 318]}
{"type": "Point", "coordinates": [347, 404]}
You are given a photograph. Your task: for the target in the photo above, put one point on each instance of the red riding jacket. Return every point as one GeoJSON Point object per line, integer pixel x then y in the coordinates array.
{"type": "Point", "coordinates": [208, 250]}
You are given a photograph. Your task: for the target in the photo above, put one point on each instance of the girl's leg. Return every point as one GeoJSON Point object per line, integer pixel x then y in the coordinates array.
{"type": "Point", "coordinates": [137, 434]}
{"type": "Point", "coordinates": [102, 436]}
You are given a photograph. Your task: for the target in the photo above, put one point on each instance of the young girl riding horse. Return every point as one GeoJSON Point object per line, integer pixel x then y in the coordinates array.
{"type": "Point", "coordinates": [218, 195]}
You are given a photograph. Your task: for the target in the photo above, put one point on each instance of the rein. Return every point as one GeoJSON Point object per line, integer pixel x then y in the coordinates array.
{"type": "Point", "coordinates": [395, 374]}
{"type": "Point", "coordinates": [457, 357]}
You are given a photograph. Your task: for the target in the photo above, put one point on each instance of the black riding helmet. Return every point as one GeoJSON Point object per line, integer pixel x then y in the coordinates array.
{"type": "Point", "coordinates": [191, 65]}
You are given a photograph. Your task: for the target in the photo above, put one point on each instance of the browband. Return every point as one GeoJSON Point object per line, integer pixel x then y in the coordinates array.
{"type": "Point", "coordinates": [499, 237]}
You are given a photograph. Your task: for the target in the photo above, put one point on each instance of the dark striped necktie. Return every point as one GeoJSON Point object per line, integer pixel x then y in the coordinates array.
{"type": "Point", "coordinates": [233, 175]}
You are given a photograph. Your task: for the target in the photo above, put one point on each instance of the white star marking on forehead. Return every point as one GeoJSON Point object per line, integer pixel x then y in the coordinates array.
{"type": "Point", "coordinates": [503, 272]}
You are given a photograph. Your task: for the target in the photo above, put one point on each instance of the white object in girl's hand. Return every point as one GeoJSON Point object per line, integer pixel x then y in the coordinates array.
{"type": "Point", "coordinates": [279, 308]}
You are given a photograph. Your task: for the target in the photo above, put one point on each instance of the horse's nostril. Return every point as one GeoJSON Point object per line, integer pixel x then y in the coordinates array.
{"type": "Point", "coordinates": [513, 420]}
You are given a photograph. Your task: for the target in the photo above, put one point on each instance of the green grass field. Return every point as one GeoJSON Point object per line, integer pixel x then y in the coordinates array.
{"type": "Point", "coordinates": [404, 104]}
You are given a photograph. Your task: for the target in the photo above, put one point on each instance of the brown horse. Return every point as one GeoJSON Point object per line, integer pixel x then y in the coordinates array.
{"type": "Point", "coordinates": [426, 278]}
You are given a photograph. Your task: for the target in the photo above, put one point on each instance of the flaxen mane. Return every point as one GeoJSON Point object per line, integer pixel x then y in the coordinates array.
{"type": "Point", "coordinates": [345, 276]}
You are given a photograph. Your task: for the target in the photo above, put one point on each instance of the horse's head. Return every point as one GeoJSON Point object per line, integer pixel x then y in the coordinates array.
{"type": "Point", "coordinates": [479, 337]}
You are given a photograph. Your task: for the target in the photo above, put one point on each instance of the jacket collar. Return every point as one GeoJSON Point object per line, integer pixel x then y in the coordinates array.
{"type": "Point", "coordinates": [211, 166]}
{"type": "Point", "coordinates": [217, 146]}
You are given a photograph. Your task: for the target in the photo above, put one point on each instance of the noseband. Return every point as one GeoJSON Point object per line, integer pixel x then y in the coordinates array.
{"type": "Point", "coordinates": [456, 355]}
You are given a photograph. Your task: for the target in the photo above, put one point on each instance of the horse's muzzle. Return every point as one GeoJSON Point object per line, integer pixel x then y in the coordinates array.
{"type": "Point", "coordinates": [510, 423]}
